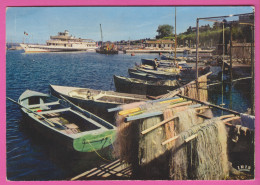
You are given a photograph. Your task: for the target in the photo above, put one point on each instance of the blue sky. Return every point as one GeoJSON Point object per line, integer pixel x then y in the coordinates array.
{"type": "Point", "coordinates": [118, 23]}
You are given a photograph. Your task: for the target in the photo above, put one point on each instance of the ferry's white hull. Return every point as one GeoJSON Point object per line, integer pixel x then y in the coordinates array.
{"type": "Point", "coordinates": [30, 48]}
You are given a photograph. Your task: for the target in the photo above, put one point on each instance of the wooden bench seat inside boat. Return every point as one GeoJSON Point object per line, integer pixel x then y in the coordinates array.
{"type": "Point", "coordinates": [45, 104]}
{"type": "Point", "coordinates": [54, 111]}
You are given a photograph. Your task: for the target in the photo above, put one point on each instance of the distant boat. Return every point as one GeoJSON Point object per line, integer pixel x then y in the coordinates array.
{"type": "Point", "coordinates": [65, 124]}
{"type": "Point", "coordinates": [167, 57]}
{"type": "Point", "coordinates": [165, 63]}
{"type": "Point", "coordinates": [180, 60]}
{"type": "Point", "coordinates": [13, 46]}
{"type": "Point", "coordinates": [143, 76]}
{"type": "Point", "coordinates": [150, 88]}
{"type": "Point", "coordinates": [108, 49]}
{"type": "Point", "coordinates": [150, 62]}
{"type": "Point", "coordinates": [171, 74]}
{"type": "Point", "coordinates": [95, 101]}
{"type": "Point", "coordinates": [63, 42]}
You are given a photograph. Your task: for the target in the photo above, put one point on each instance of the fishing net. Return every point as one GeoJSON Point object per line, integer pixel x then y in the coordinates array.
{"type": "Point", "coordinates": [179, 160]}
{"type": "Point", "coordinates": [200, 94]}
{"type": "Point", "coordinates": [203, 158]}
{"type": "Point", "coordinates": [143, 152]}
{"type": "Point", "coordinates": [126, 140]}
{"type": "Point", "coordinates": [169, 126]}
{"type": "Point", "coordinates": [191, 90]}
{"type": "Point", "coordinates": [170, 83]}
{"type": "Point", "coordinates": [152, 155]}
{"type": "Point", "coordinates": [202, 88]}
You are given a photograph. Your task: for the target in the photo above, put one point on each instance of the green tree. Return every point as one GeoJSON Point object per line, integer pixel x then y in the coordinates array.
{"type": "Point", "coordinates": [165, 30]}
{"type": "Point", "coordinates": [189, 30]}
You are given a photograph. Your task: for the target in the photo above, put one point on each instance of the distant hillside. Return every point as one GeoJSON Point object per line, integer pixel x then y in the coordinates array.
{"type": "Point", "coordinates": [214, 36]}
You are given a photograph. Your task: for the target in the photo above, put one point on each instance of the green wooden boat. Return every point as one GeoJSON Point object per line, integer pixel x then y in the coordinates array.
{"type": "Point", "coordinates": [65, 123]}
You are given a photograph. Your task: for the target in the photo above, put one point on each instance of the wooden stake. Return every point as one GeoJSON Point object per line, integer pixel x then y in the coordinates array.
{"type": "Point", "coordinates": [191, 138]}
{"type": "Point", "coordinates": [176, 137]}
{"type": "Point", "coordinates": [158, 124]}
{"type": "Point", "coordinates": [202, 107]}
{"type": "Point", "coordinates": [179, 90]}
{"type": "Point", "coordinates": [195, 135]}
{"type": "Point", "coordinates": [180, 104]}
{"type": "Point", "coordinates": [227, 116]}
{"type": "Point", "coordinates": [169, 140]}
{"type": "Point", "coordinates": [231, 119]}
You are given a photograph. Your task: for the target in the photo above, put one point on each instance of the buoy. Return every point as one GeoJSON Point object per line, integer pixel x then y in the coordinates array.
{"type": "Point", "coordinates": [132, 54]}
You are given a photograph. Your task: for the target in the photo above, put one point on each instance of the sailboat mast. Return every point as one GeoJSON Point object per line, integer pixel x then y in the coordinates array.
{"type": "Point", "coordinates": [101, 35]}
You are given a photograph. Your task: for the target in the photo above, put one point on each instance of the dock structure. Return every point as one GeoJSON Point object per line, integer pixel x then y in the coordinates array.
{"type": "Point", "coordinates": [115, 170]}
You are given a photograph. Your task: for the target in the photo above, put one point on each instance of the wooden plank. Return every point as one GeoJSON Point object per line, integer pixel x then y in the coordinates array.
{"type": "Point", "coordinates": [114, 170]}
{"type": "Point", "coordinates": [53, 111]}
{"type": "Point", "coordinates": [157, 125]}
{"type": "Point", "coordinates": [151, 114]}
{"type": "Point", "coordinates": [38, 105]}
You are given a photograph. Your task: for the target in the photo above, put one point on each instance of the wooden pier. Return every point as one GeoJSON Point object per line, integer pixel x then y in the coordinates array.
{"type": "Point", "coordinates": [110, 171]}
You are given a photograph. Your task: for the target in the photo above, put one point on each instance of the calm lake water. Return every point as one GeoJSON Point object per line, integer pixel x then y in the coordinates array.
{"type": "Point", "coordinates": [30, 157]}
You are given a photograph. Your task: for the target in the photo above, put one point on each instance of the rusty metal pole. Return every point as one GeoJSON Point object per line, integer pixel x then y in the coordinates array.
{"type": "Point", "coordinates": [223, 68]}
{"type": "Point", "coordinates": [252, 73]}
{"type": "Point", "coordinates": [175, 45]}
{"type": "Point", "coordinates": [197, 49]}
{"type": "Point", "coordinates": [197, 59]}
{"type": "Point", "coordinates": [231, 62]}
{"type": "Point", "coordinates": [231, 68]}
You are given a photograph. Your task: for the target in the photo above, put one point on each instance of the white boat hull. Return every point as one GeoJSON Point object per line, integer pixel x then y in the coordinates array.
{"type": "Point", "coordinates": [30, 48]}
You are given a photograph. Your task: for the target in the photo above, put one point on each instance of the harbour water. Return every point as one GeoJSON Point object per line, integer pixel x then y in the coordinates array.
{"type": "Point", "coordinates": [30, 157]}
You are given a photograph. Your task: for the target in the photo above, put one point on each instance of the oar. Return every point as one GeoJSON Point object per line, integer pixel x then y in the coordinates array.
{"type": "Point", "coordinates": [47, 120]}
{"type": "Point", "coordinates": [82, 110]}
{"type": "Point", "coordinates": [144, 107]}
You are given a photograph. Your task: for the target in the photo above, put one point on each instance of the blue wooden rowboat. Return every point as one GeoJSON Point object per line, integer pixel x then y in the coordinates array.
{"type": "Point", "coordinates": [65, 124]}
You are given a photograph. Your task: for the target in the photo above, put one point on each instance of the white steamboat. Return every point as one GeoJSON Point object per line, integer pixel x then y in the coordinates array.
{"type": "Point", "coordinates": [63, 42]}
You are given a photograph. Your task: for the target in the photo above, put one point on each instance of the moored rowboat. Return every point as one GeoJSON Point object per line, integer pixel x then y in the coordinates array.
{"type": "Point", "coordinates": [158, 74]}
{"type": "Point", "coordinates": [151, 88]}
{"type": "Point", "coordinates": [95, 101]}
{"type": "Point", "coordinates": [143, 76]}
{"type": "Point", "coordinates": [64, 124]}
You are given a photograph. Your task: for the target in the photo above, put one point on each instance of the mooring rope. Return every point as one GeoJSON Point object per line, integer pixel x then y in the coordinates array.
{"type": "Point", "coordinates": [109, 136]}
